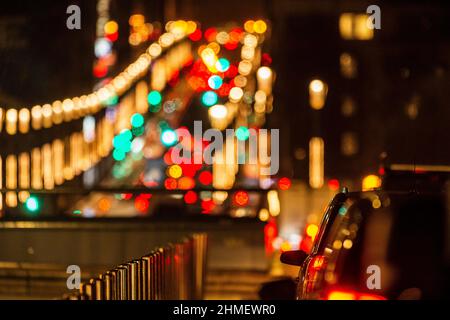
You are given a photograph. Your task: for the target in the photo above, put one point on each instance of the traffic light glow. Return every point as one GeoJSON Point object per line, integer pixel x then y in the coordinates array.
{"type": "Point", "coordinates": [168, 137]}
{"type": "Point", "coordinates": [242, 133]}
{"type": "Point", "coordinates": [137, 120]}
{"type": "Point", "coordinates": [32, 204]}
{"type": "Point", "coordinates": [209, 98]}
{"type": "Point", "coordinates": [154, 98]}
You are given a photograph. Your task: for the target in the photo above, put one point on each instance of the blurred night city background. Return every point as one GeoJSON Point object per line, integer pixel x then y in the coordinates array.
{"type": "Point", "coordinates": [89, 119]}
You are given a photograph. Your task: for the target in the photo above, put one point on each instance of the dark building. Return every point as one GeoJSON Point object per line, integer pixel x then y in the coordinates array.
{"type": "Point", "coordinates": [387, 92]}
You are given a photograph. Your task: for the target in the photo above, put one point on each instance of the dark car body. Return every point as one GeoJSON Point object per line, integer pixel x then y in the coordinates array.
{"type": "Point", "coordinates": [379, 245]}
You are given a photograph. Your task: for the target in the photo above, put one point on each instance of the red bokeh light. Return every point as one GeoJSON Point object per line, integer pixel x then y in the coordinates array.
{"type": "Point", "coordinates": [241, 198]}
{"type": "Point", "coordinates": [189, 170]}
{"type": "Point", "coordinates": [205, 178]}
{"type": "Point", "coordinates": [196, 35]}
{"type": "Point", "coordinates": [170, 184]}
{"type": "Point", "coordinates": [266, 59]}
{"type": "Point", "coordinates": [231, 72]}
{"type": "Point", "coordinates": [112, 36]}
{"type": "Point", "coordinates": [174, 78]}
{"type": "Point", "coordinates": [126, 196]}
{"type": "Point", "coordinates": [190, 197]}
{"type": "Point", "coordinates": [210, 34]}
{"type": "Point", "coordinates": [224, 90]}
{"type": "Point", "coordinates": [142, 202]}
{"type": "Point", "coordinates": [231, 45]}
{"type": "Point", "coordinates": [270, 233]}
{"type": "Point", "coordinates": [186, 183]}
{"type": "Point", "coordinates": [333, 184]}
{"type": "Point", "coordinates": [284, 183]}
{"type": "Point", "coordinates": [168, 157]}
{"type": "Point", "coordinates": [207, 206]}
{"type": "Point", "coordinates": [100, 70]}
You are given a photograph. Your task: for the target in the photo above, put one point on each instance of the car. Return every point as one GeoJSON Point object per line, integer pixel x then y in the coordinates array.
{"type": "Point", "coordinates": [378, 245]}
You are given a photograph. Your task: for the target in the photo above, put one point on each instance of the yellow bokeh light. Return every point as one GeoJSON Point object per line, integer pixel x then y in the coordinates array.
{"type": "Point", "coordinates": [222, 37]}
{"type": "Point", "coordinates": [285, 246]}
{"type": "Point", "coordinates": [175, 171]}
{"type": "Point", "coordinates": [104, 205]}
{"type": "Point", "coordinates": [312, 230]}
{"type": "Point", "coordinates": [260, 26]}
{"type": "Point", "coordinates": [214, 46]}
{"type": "Point", "coordinates": [245, 67]}
{"type": "Point", "coordinates": [338, 295]}
{"type": "Point", "coordinates": [154, 50]}
{"type": "Point", "coordinates": [347, 244]}
{"type": "Point", "coordinates": [316, 162]}
{"type": "Point", "coordinates": [260, 97]}
{"type": "Point", "coordinates": [209, 58]}
{"type": "Point", "coordinates": [191, 27]}
{"type": "Point", "coordinates": [264, 214]}
{"type": "Point", "coordinates": [248, 26]}
{"type": "Point", "coordinates": [136, 20]}
{"type": "Point", "coordinates": [135, 39]}
{"type": "Point", "coordinates": [178, 27]}
{"type": "Point", "coordinates": [166, 39]}
{"type": "Point", "coordinates": [371, 182]}
{"type": "Point", "coordinates": [250, 40]}
{"type": "Point", "coordinates": [317, 94]}
{"type": "Point", "coordinates": [218, 111]}
{"type": "Point", "coordinates": [316, 86]}
{"type": "Point", "coordinates": [264, 73]}
{"type": "Point", "coordinates": [236, 94]}
{"type": "Point", "coordinates": [111, 27]}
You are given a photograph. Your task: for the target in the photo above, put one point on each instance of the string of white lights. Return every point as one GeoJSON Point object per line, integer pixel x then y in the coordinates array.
{"type": "Point", "coordinates": [45, 116]}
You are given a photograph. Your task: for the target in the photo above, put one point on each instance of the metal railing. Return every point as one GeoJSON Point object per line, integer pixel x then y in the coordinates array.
{"type": "Point", "coordinates": [173, 272]}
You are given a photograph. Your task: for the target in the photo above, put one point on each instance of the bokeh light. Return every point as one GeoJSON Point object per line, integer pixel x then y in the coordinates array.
{"type": "Point", "coordinates": [154, 98]}
{"type": "Point", "coordinates": [209, 98]}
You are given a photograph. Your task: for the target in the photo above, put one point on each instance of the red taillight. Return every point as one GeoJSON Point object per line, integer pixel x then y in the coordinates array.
{"type": "Point", "coordinates": [318, 263]}
{"type": "Point", "coordinates": [365, 296]}
{"type": "Point", "coordinates": [352, 295]}
{"type": "Point", "coordinates": [316, 267]}
{"type": "Point", "coordinates": [341, 295]}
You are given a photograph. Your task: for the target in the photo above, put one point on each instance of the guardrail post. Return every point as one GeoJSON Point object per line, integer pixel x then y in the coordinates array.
{"type": "Point", "coordinates": [107, 285]}
{"type": "Point", "coordinates": [122, 282]}
{"type": "Point", "coordinates": [98, 289]}
{"type": "Point", "coordinates": [145, 280]}
{"type": "Point", "coordinates": [176, 271]}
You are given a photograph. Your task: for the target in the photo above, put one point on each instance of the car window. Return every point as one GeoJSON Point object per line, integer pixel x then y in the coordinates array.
{"type": "Point", "coordinates": [355, 240]}
{"type": "Point", "coordinates": [399, 236]}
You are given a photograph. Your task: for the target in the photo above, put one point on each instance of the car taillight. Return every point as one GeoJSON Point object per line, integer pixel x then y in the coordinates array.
{"type": "Point", "coordinates": [318, 263]}
{"type": "Point", "coordinates": [314, 275]}
{"type": "Point", "coordinates": [352, 295]}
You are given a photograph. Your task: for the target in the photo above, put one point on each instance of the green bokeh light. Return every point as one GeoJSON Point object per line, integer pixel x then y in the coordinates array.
{"type": "Point", "coordinates": [119, 155]}
{"type": "Point", "coordinates": [215, 82]}
{"type": "Point", "coordinates": [209, 98]}
{"type": "Point", "coordinates": [32, 204]}
{"type": "Point", "coordinates": [169, 137]}
{"type": "Point", "coordinates": [138, 131]}
{"type": "Point", "coordinates": [154, 98]}
{"type": "Point", "coordinates": [137, 120]}
{"type": "Point", "coordinates": [223, 65]}
{"type": "Point", "coordinates": [113, 100]}
{"type": "Point", "coordinates": [242, 133]}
